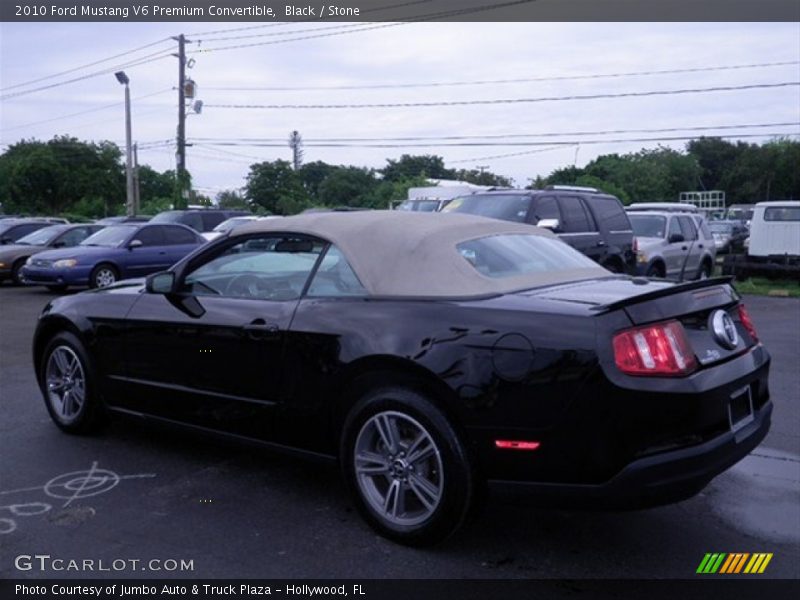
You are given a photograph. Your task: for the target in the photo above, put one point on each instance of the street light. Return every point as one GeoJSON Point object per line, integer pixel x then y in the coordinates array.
{"type": "Point", "coordinates": [130, 208]}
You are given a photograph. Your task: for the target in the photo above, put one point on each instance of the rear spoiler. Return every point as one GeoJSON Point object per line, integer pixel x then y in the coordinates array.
{"type": "Point", "coordinates": [665, 291]}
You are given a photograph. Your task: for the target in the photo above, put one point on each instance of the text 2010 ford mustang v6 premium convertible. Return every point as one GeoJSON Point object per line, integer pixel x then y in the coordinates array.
{"type": "Point", "coordinates": [432, 355]}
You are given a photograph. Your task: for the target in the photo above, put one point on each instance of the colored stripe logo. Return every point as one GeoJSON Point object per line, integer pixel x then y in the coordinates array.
{"type": "Point", "coordinates": [734, 563]}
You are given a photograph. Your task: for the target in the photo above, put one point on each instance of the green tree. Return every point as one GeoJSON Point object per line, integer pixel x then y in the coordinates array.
{"type": "Point", "coordinates": [479, 177]}
{"type": "Point", "coordinates": [50, 177]}
{"type": "Point", "coordinates": [408, 166]}
{"type": "Point", "coordinates": [347, 186]}
{"type": "Point", "coordinates": [231, 199]}
{"type": "Point", "coordinates": [313, 174]}
{"type": "Point", "coordinates": [276, 188]}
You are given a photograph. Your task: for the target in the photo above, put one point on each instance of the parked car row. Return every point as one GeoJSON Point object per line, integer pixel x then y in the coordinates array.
{"type": "Point", "coordinates": [37, 252]}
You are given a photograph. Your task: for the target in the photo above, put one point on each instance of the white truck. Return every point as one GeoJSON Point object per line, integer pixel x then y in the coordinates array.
{"type": "Point", "coordinates": [774, 248]}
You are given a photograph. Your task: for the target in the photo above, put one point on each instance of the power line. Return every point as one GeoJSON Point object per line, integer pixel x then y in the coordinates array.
{"type": "Point", "coordinates": [480, 144]}
{"type": "Point", "coordinates": [537, 151]}
{"type": "Point", "coordinates": [726, 88]}
{"type": "Point", "coordinates": [284, 23]}
{"type": "Point", "coordinates": [135, 63]}
{"type": "Point", "coordinates": [406, 21]}
{"type": "Point", "coordinates": [511, 135]}
{"type": "Point", "coordinates": [83, 112]}
{"type": "Point", "coordinates": [379, 86]}
{"type": "Point", "coordinates": [91, 64]}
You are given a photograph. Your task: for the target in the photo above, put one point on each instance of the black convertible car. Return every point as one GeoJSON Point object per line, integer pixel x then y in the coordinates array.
{"type": "Point", "coordinates": [433, 355]}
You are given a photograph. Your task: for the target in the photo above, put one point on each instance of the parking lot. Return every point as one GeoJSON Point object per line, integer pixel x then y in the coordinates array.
{"type": "Point", "coordinates": [142, 494]}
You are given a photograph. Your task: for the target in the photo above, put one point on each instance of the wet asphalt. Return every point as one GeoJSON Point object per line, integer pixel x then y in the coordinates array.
{"type": "Point", "coordinates": [136, 493]}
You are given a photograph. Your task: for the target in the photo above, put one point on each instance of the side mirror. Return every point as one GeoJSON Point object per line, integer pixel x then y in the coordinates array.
{"type": "Point", "coordinates": [134, 244]}
{"type": "Point", "coordinates": [551, 224]}
{"type": "Point", "coordinates": [160, 283]}
{"type": "Point", "coordinates": [59, 244]}
{"type": "Point", "coordinates": [674, 238]}
{"type": "Point", "coordinates": [6, 240]}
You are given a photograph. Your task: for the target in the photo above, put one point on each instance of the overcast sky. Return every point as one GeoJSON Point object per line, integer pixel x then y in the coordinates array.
{"type": "Point", "coordinates": [404, 54]}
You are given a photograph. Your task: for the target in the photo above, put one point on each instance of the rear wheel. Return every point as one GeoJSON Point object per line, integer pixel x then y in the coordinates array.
{"type": "Point", "coordinates": [656, 270]}
{"type": "Point", "coordinates": [103, 276]}
{"type": "Point", "coordinates": [16, 275]}
{"type": "Point", "coordinates": [68, 385]}
{"type": "Point", "coordinates": [705, 270]}
{"type": "Point", "coordinates": [406, 467]}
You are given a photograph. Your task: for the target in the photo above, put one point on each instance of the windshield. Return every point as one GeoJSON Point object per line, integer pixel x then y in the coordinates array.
{"type": "Point", "coordinates": [110, 236]}
{"type": "Point", "coordinates": [170, 216]}
{"type": "Point", "coordinates": [648, 225]}
{"type": "Point", "coordinates": [41, 237]}
{"type": "Point", "coordinates": [511, 207]}
{"type": "Point", "coordinates": [517, 254]}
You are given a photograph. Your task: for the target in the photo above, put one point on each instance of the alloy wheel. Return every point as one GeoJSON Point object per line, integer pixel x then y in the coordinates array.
{"type": "Point", "coordinates": [66, 383]}
{"type": "Point", "coordinates": [398, 468]}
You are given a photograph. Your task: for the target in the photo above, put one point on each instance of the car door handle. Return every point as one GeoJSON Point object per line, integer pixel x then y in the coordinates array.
{"type": "Point", "coordinates": [684, 247]}
{"type": "Point", "coordinates": [259, 329]}
{"type": "Point", "coordinates": [601, 243]}
{"type": "Point", "coordinates": [699, 245]}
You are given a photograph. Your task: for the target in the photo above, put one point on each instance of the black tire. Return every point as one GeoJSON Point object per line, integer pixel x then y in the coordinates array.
{"type": "Point", "coordinates": [56, 288]}
{"type": "Point", "coordinates": [614, 266]}
{"type": "Point", "coordinates": [705, 270]}
{"type": "Point", "coordinates": [88, 416]}
{"type": "Point", "coordinates": [103, 275]}
{"type": "Point", "coordinates": [16, 278]}
{"type": "Point", "coordinates": [424, 518]}
{"type": "Point", "coordinates": [656, 270]}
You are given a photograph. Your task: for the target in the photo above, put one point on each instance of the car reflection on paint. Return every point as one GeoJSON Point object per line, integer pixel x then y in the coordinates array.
{"type": "Point", "coordinates": [431, 355]}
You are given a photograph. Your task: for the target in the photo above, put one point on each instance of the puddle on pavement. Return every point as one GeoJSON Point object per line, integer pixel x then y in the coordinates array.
{"type": "Point", "coordinates": [760, 495]}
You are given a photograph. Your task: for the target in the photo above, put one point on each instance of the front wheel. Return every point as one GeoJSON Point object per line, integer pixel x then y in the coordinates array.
{"type": "Point", "coordinates": [103, 276]}
{"type": "Point", "coordinates": [406, 467]}
{"type": "Point", "coordinates": [16, 271]}
{"type": "Point", "coordinates": [68, 386]}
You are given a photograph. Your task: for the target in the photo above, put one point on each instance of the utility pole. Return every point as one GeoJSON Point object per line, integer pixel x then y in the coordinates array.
{"type": "Point", "coordinates": [129, 201]}
{"type": "Point", "coordinates": [181, 141]}
{"type": "Point", "coordinates": [136, 198]}
{"type": "Point", "coordinates": [296, 144]}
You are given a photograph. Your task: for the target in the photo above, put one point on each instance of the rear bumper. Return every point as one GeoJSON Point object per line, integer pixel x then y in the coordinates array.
{"type": "Point", "coordinates": [654, 480]}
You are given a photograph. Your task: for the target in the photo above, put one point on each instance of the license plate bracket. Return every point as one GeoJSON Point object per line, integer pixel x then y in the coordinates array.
{"type": "Point", "coordinates": [740, 408]}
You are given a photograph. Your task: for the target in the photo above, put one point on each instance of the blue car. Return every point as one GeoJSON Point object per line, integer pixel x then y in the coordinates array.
{"type": "Point", "coordinates": [114, 253]}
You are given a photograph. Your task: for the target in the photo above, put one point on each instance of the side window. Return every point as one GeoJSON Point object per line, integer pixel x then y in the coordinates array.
{"type": "Point", "coordinates": [193, 220]}
{"type": "Point", "coordinates": [545, 207]}
{"type": "Point", "coordinates": [150, 236]}
{"type": "Point", "coordinates": [674, 227]}
{"type": "Point", "coordinates": [211, 220]}
{"type": "Point", "coordinates": [610, 214]}
{"type": "Point", "coordinates": [268, 267]}
{"type": "Point", "coordinates": [73, 237]}
{"type": "Point", "coordinates": [704, 228]}
{"type": "Point", "coordinates": [22, 230]}
{"type": "Point", "coordinates": [575, 218]}
{"type": "Point", "coordinates": [178, 235]}
{"type": "Point", "coordinates": [335, 277]}
{"type": "Point", "coordinates": [688, 228]}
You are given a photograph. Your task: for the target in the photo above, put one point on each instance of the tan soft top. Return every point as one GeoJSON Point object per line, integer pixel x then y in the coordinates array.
{"type": "Point", "coordinates": [398, 253]}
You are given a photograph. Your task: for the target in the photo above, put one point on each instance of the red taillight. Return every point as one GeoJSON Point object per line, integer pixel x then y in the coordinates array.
{"type": "Point", "coordinates": [515, 445]}
{"type": "Point", "coordinates": [747, 322]}
{"type": "Point", "coordinates": [661, 349]}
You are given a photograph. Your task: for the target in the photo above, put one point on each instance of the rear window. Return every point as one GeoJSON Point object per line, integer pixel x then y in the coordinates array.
{"type": "Point", "coordinates": [648, 225]}
{"type": "Point", "coordinates": [501, 256]}
{"type": "Point", "coordinates": [782, 213]}
{"type": "Point", "coordinates": [511, 207]}
{"type": "Point", "coordinates": [609, 212]}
